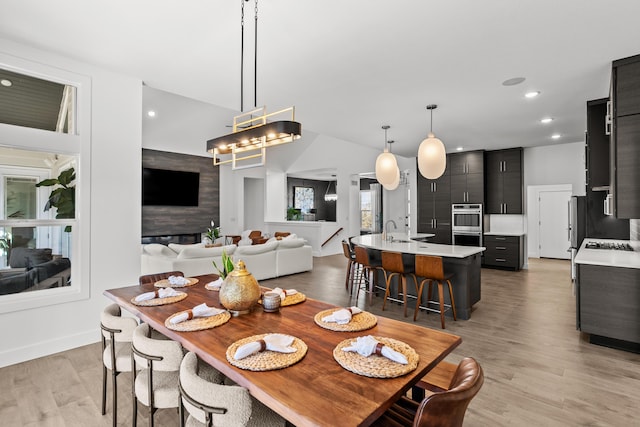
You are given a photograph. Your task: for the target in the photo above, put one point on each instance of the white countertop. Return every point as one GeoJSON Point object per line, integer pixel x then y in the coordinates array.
{"type": "Point", "coordinates": [404, 245]}
{"type": "Point", "coordinates": [609, 257]}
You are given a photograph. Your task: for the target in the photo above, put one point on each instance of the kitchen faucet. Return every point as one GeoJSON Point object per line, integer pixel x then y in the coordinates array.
{"type": "Point", "coordinates": [386, 229]}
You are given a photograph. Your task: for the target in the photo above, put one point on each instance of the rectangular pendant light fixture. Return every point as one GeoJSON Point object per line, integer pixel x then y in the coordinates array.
{"type": "Point", "coordinates": [252, 134]}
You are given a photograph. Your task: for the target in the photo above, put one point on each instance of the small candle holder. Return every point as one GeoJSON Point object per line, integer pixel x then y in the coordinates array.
{"type": "Point", "coordinates": [271, 302]}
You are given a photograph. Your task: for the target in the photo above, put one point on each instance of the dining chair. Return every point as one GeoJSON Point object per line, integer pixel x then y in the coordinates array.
{"type": "Point", "coordinates": [115, 333]}
{"type": "Point", "coordinates": [441, 409]}
{"type": "Point", "coordinates": [211, 404]}
{"type": "Point", "coordinates": [431, 269]}
{"type": "Point", "coordinates": [150, 279]}
{"type": "Point", "coordinates": [156, 385]}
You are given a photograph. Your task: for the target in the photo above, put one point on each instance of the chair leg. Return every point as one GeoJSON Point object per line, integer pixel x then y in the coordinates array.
{"type": "Point", "coordinates": [441, 298]}
{"type": "Point", "coordinates": [419, 289]}
{"type": "Point", "coordinates": [104, 389]}
{"type": "Point", "coordinates": [346, 280]}
{"type": "Point", "coordinates": [403, 280]}
{"type": "Point", "coordinates": [387, 291]}
{"type": "Point", "coordinates": [453, 303]}
{"type": "Point", "coordinates": [114, 374]}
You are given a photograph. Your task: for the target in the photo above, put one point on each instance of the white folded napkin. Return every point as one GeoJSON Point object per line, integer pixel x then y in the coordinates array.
{"type": "Point", "coordinates": [158, 293]}
{"type": "Point", "coordinates": [272, 342]}
{"type": "Point", "coordinates": [284, 292]}
{"type": "Point", "coordinates": [177, 280]}
{"type": "Point", "coordinates": [216, 283]}
{"type": "Point", "coordinates": [198, 311]}
{"type": "Point", "coordinates": [342, 316]}
{"type": "Point", "coordinates": [366, 346]}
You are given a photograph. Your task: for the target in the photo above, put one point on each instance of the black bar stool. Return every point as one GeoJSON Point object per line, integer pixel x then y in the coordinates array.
{"type": "Point", "coordinates": [366, 270]}
{"type": "Point", "coordinates": [348, 253]}
{"type": "Point", "coordinates": [392, 265]}
{"type": "Point", "coordinates": [431, 269]}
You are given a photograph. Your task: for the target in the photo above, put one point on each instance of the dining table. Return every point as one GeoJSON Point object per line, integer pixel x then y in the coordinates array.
{"type": "Point", "coordinates": [314, 391]}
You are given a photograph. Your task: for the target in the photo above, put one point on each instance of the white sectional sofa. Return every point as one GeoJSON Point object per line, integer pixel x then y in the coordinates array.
{"type": "Point", "coordinates": [265, 261]}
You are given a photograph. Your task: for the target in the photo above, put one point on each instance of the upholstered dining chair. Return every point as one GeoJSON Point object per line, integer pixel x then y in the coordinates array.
{"type": "Point", "coordinates": [442, 409]}
{"type": "Point", "coordinates": [156, 385]}
{"type": "Point", "coordinates": [211, 404]}
{"type": "Point", "coordinates": [150, 279]}
{"type": "Point", "coordinates": [116, 334]}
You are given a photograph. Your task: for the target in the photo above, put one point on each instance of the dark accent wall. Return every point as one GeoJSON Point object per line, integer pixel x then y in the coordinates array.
{"type": "Point", "coordinates": [325, 211]}
{"type": "Point", "coordinates": [173, 220]}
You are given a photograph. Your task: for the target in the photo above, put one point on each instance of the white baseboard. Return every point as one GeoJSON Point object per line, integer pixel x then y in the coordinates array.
{"type": "Point", "coordinates": [46, 348]}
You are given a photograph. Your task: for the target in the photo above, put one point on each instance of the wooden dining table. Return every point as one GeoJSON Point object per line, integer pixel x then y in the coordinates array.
{"type": "Point", "coordinates": [316, 391]}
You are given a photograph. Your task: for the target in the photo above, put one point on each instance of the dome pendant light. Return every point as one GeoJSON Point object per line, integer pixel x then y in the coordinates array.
{"type": "Point", "coordinates": [386, 164]}
{"type": "Point", "coordinates": [432, 156]}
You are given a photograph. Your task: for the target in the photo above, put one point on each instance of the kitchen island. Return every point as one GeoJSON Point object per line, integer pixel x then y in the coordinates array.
{"type": "Point", "coordinates": [607, 292]}
{"type": "Point", "coordinates": [462, 261]}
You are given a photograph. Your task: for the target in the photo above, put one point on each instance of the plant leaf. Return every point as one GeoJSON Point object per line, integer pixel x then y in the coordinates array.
{"type": "Point", "coordinates": [47, 182]}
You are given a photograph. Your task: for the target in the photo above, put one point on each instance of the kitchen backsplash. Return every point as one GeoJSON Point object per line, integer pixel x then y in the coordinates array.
{"type": "Point", "coordinates": [634, 229]}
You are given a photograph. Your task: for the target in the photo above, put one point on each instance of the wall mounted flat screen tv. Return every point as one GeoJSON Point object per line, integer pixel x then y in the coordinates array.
{"type": "Point", "coordinates": [161, 187]}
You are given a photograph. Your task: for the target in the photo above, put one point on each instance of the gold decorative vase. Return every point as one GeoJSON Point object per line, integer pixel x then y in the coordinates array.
{"type": "Point", "coordinates": [239, 291]}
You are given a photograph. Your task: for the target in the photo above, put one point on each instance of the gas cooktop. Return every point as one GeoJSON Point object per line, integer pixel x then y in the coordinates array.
{"type": "Point", "coordinates": [609, 245]}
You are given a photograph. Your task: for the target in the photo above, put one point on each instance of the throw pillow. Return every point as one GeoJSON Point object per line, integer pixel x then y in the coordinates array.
{"type": "Point", "coordinates": [156, 249]}
{"type": "Point", "coordinates": [177, 248]}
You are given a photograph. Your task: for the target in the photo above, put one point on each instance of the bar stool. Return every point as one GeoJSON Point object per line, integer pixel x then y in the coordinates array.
{"type": "Point", "coordinates": [366, 270]}
{"type": "Point", "coordinates": [431, 269]}
{"type": "Point", "coordinates": [392, 265]}
{"type": "Point", "coordinates": [348, 253]}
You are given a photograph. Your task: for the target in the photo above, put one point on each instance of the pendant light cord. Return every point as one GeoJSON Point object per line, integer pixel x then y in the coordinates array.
{"type": "Point", "coordinates": [242, 55]}
{"type": "Point", "coordinates": [255, 58]}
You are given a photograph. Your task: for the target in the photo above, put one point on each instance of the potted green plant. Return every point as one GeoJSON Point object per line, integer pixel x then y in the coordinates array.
{"type": "Point", "coordinates": [63, 198]}
{"type": "Point", "coordinates": [227, 265]}
{"type": "Point", "coordinates": [5, 243]}
{"type": "Point", "coordinates": [213, 232]}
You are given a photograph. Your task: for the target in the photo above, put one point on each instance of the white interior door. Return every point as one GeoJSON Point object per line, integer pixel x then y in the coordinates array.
{"type": "Point", "coordinates": [554, 224]}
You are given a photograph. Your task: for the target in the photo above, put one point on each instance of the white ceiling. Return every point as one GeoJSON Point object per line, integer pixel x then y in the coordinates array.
{"type": "Point", "coordinates": [351, 66]}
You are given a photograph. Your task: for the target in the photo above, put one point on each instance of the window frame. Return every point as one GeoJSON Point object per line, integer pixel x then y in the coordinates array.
{"type": "Point", "coordinates": [76, 144]}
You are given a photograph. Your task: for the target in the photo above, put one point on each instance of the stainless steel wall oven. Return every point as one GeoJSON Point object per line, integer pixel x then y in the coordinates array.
{"type": "Point", "coordinates": [466, 224]}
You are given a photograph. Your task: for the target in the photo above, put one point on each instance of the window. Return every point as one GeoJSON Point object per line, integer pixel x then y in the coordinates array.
{"type": "Point", "coordinates": [303, 199]}
{"type": "Point", "coordinates": [366, 215]}
{"type": "Point", "coordinates": [45, 130]}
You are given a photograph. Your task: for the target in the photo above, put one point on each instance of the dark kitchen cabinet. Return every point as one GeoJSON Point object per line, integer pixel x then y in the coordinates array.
{"type": "Point", "coordinates": [504, 181]}
{"type": "Point", "coordinates": [597, 150]}
{"type": "Point", "coordinates": [608, 302]}
{"type": "Point", "coordinates": [625, 138]}
{"type": "Point", "coordinates": [503, 251]}
{"type": "Point", "coordinates": [434, 207]}
{"type": "Point", "coordinates": [467, 177]}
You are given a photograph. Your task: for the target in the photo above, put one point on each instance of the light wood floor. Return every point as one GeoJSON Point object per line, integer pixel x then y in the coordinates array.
{"type": "Point", "coordinates": [538, 369]}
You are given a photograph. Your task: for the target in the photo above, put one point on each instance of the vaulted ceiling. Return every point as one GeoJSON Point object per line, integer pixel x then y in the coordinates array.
{"type": "Point", "coordinates": [351, 66]}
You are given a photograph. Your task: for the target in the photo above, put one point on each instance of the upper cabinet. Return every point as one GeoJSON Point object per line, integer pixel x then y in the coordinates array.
{"type": "Point", "coordinates": [504, 181]}
{"type": "Point", "coordinates": [467, 177]}
{"type": "Point", "coordinates": [597, 149]}
{"type": "Point", "coordinates": [434, 206]}
{"type": "Point", "coordinates": [625, 138]}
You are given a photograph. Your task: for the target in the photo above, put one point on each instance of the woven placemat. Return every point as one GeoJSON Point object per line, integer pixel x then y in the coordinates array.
{"type": "Point", "coordinates": [296, 298]}
{"type": "Point", "coordinates": [376, 366]}
{"type": "Point", "coordinates": [359, 322]}
{"type": "Point", "coordinates": [266, 360]}
{"type": "Point", "coordinates": [159, 301]}
{"type": "Point", "coordinates": [211, 288]}
{"type": "Point", "coordinates": [197, 323]}
{"type": "Point", "coordinates": [164, 283]}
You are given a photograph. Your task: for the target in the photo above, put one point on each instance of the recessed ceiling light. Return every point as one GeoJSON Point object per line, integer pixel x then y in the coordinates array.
{"type": "Point", "coordinates": [513, 81]}
{"type": "Point", "coordinates": [6, 83]}
{"type": "Point", "coordinates": [459, 149]}
{"type": "Point", "coordinates": [532, 94]}
{"type": "Point", "coordinates": [546, 120]}
{"type": "Point", "coordinates": [555, 136]}
{"type": "Point", "coordinates": [151, 113]}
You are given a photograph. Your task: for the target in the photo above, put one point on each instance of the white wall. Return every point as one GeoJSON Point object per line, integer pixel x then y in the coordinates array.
{"type": "Point", "coordinates": [556, 166]}
{"type": "Point", "coordinates": [115, 215]}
